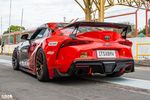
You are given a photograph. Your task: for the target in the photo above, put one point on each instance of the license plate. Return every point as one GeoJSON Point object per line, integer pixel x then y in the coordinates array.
{"type": "Point", "coordinates": [106, 53]}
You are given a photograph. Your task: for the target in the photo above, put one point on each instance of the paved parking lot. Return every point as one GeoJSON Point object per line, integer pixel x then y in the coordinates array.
{"type": "Point", "coordinates": [17, 85]}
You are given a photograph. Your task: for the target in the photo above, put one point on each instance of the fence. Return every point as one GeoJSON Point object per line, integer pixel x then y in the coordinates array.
{"type": "Point", "coordinates": [15, 37]}
{"type": "Point", "coordinates": [142, 56]}
{"type": "Point", "coordinates": [8, 49]}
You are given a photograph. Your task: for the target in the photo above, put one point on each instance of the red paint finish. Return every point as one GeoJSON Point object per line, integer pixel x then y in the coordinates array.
{"type": "Point", "coordinates": [62, 50]}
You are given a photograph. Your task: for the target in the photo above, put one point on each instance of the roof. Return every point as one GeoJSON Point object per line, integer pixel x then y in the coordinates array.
{"type": "Point", "coordinates": [54, 25]}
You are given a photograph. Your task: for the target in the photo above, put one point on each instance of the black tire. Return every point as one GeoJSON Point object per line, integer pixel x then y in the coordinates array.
{"type": "Point", "coordinates": [41, 66]}
{"type": "Point", "coordinates": [15, 62]}
{"type": "Point", "coordinates": [115, 74]}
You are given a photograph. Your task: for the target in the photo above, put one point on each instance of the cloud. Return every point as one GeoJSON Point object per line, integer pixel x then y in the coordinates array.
{"type": "Point", "coordinates": [37, 12]}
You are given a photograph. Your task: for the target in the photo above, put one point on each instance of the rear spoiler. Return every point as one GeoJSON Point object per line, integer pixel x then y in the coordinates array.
{"type": "Point", "coordinates": [124, 27]}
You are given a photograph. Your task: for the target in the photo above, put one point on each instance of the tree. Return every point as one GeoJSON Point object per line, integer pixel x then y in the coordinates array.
{"type": "Point", "coordinates": [14, 28]}
{"type": "Point", "coordinates": [143, 31]}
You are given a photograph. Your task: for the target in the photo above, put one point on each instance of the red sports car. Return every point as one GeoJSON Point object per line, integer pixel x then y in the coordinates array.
{"type": "Point", "coordinates": [80, 48]}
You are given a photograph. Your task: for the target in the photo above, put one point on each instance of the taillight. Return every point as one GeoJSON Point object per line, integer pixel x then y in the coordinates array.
{"type": "Point", "coordinates": [74, 42]}
{"type": "Point", "coordinates": [126, 42]}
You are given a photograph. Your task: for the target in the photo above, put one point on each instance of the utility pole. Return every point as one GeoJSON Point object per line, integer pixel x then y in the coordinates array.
{"type": "Point", "coordinates": [22, 12]}
{"type": "Point", "coordinates": [10, 6]}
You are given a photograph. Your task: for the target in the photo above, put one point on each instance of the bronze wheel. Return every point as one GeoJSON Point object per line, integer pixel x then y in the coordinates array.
{"type": "Point", "coordinates": [41, 66]}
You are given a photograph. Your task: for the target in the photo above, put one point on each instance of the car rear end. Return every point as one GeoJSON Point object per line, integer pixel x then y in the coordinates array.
{"type": "Point", "coordinates": [101, 51]}
{"type": "Point", "coordinates": [104, 59]}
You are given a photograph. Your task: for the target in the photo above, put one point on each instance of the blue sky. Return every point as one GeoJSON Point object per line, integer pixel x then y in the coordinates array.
{"type": "Point", "coordinates": [37, 12]}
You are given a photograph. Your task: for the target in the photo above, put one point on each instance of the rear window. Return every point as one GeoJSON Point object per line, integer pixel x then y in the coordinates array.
{"type": "Point", "coordinates": [61, 25]}
{"type": "Point", "coordinates": [83, 29]}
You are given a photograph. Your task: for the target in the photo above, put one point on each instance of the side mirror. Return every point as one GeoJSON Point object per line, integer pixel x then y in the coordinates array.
{"type": "Point", "coordinates": [25, 37]}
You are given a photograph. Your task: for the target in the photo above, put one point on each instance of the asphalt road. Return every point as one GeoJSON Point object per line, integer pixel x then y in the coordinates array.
{"type": "Point", "coordinates": [22, 86]}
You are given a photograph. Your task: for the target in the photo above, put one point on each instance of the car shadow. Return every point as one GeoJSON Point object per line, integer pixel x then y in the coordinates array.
{"type": "Point", "coordinates": [98, 78]}
{"type": "Point", "coordinates": [74, 81]}
{"type": "Point", "coordinates": [70, 80]}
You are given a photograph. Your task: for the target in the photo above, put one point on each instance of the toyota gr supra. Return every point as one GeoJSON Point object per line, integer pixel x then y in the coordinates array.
{"type": "Point", "coordinates": [80, 48]}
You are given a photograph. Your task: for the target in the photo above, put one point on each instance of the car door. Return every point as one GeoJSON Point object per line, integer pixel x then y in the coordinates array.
{"type": "Point", "coordinates": [29, 47]}
{"type": "Point", "coordinates": [36, 43]}
{"type": "Point", "coordinates": [23, 49]}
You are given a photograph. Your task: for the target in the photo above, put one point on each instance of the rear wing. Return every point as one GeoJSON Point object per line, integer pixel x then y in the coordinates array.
{"type": "Point", "coordinates": [125, 28]}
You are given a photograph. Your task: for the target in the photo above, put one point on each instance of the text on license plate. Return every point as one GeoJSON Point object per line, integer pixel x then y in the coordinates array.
{"type": "Point", "coordinates": [106, 53]}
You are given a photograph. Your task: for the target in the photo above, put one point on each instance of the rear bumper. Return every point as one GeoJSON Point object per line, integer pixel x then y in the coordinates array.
{"type": "Point", "coordinates": [106, 66]}
{"type": "Point", "coordinates": [102, 66]}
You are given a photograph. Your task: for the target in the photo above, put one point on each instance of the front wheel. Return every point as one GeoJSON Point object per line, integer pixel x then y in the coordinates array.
{"type": "Point", "coordinates": [41, 66]}
{"type": "Point", "coordinates": [15, 62]}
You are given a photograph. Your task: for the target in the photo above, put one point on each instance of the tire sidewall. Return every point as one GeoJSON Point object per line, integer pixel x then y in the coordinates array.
{"type": "Point", "coordinates": [16, 66]}
{"type": "Point", "coordinates": [44, 75]}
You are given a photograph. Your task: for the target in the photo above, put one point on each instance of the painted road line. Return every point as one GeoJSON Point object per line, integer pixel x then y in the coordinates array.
{"type": "Point", "coordinates": [143, 68]}
{"type": "Point", "coordinates": [137, 83]}
{"type": "Point", "coordinates": [5, 62]}
{"type": "Point", "coordinates": [131, 82]}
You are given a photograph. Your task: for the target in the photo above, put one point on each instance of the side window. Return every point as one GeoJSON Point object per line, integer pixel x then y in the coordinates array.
{"type": "Point", "coordinates": [48, 32]}
{"type": "Point", "coordinates": [39, 33]}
